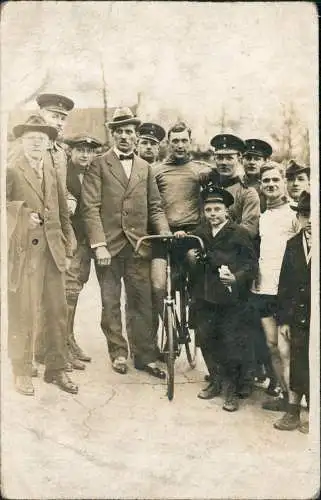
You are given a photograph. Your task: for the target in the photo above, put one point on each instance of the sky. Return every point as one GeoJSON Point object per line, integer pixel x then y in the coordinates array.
{"type": "Point", "coordinates": [250, 58]}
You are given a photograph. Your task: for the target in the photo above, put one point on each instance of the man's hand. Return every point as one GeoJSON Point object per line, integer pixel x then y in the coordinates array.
{"type": "Point", "coordinates": [285, 331]}
{"type": "Point", "coordinates": [34, 220]}
{"type": "Point", "coordinates": [103, 256]}
{"type": "Point", "coordinates": [180, 234]}
{"type": "Point", "coordinates": [226, 277]}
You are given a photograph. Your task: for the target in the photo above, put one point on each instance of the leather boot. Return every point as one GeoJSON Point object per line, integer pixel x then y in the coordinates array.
{"type": "Point", "coordinates": [76, 351]}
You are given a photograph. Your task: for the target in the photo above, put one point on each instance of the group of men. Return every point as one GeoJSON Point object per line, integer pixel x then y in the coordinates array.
{"type": "Point", "coordinates": [66, 210]}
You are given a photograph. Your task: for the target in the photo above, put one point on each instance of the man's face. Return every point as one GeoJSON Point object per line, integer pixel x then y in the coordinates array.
{"type": "Point", "coordinates": [179, 144]}
{"type": "Point", "coordinates": [252, 164]}
{"type": "Point", "coordinates": [54, 119]}
{"type": "Point", "coordinates": [272, 184]}
{"type": "Point", "coordinates": [82, 156]}
{"type": "Point", "coordinates": [296, 184]}
{"type": "Point", "coordinates": [125, 138]}
{"type": "Point", "coordinates": [35, 144]}
{"type": "Point", "coordinates": [148, 149]}
{"type": "Point", "coordinates": [227, 163]}
{"type": "Point", "coordinates": [216, 213]}
{"type": "Point", "coordinates": [304, 219]}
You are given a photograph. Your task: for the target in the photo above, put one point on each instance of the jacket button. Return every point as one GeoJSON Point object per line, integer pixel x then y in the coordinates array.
{"type": "Point", "coordinates": [35, 241]}
{"type": "Point", "coordinates": [303, 321]}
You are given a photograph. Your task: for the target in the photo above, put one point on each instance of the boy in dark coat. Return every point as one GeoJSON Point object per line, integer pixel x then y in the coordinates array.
{"type": "Point", "coordinates": [294, 305]}
{"type": "Point", "coordinates": [220, 288]}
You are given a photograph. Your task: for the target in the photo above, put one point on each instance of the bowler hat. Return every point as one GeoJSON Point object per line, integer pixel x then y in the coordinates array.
{"type": "Point", "coordinates": [218, 195]}
{"type": "Point", "coordinates": [227, 142]}
{"type": "Point", "coordinates": [303, 205]}
{"type": "Point", "coordinates": [85, 140]}
{"type": "Point", "coordinates": [35, 123]}
{"type": "Point", "coordinates": [293, 168]}
{"type": "Point", "coordinates": [257, 147]}
{"type": "Point", "coordinates": [151, 131]}
{"type": "Point", "coordinates": [55, 102]}
{"type": "Point", "coordinates": [123, 116]}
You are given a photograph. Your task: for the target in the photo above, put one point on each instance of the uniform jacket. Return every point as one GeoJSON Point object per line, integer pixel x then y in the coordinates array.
{"type": "Point", "coordinates": [231, 246]}
{"type": "Point", "coordinates": [49, 201]}
{"type": "Point", "coordinates": [117, 210]}
{"type": "Point", "coordinates": [74, 188]}
{"type": "Point", "coordinates": [294, 293]}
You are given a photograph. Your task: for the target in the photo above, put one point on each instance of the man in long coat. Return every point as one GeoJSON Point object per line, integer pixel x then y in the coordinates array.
{"type": "Point", "coordinates": [120, 200]}
{"type": "Point", "coordinates": [40, 242]}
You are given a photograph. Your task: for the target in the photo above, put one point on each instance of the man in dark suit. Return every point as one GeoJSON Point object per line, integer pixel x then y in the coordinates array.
{"type": "Point", "coordinates": [120, 200]}
{"type": "Point", "coordinates": [220, 288]}
{"type": "Point", "coordinates": [293, 314]}
{"type": "Point", "coordinates": [82, 153]}
{"type": "Point", "coordinates": [40, 255]}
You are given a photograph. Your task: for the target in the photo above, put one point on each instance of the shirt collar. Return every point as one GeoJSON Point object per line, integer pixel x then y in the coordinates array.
{"type": "Point", "coordinates": [216, 229]}
{"type": "Point", "coordinates": [34, 163]}
{"type": "Point", "coordinates": [118, 153]}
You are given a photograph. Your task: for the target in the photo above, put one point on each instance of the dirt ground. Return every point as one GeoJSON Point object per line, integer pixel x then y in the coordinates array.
{"type": "Point", "coordinates": [121, 438]}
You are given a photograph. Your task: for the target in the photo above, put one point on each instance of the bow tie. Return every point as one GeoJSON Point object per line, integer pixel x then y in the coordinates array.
{"type": "Point", "coordinates": [126, 157]}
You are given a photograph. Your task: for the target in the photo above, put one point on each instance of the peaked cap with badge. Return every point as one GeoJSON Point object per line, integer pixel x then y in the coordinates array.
{"type": "Point", "coordinates": [123, 116]}
{"type": "Point", "coordinates": [293, 168]}
{"type": "Point", "coordinates": [227, 143]}
{"type": "Point", "coordinates": [35, 123]}
{"type": "Point", "coordinates": [83, 140]}
{"type": "Point", "coordinates": [151, 131]}
{"type": "Point", "coordinates": [216, 194]}
{"type": "Point", "coordinates": [55, 102]}
{"type": "Point", "coordinates": [257, 147]}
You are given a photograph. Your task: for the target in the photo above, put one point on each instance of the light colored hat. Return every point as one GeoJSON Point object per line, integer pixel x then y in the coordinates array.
{"type": "Point", "coordinates": [123, 116]}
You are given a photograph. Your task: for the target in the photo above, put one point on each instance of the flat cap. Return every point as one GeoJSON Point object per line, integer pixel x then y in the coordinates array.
{"type": "Point", "coordinates": [151, 131]}
{"type": "Point", "coordinates": [85, 140]}
{"type": "Point", "coordinates": [293, 168]}
{"type": "Point", "coordinates": [227, 142]}
{"type": "Point", "coordinates": [55, 102]}
{"type": "Point", "coordinates": [257, 147]}
{"type": "Point", "coordinates": [217, 194]}
{"type": "Point", "coordinates": [35, 123]}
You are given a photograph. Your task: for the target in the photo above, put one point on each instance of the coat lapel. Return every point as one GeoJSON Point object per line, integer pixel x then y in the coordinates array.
{"type": "Point", "coordinates": [31, 176]}
{"type": "Point", "coordinates": [136, 174]}
{"type": "Point", "coordinates": [48, 171]}
{"type": "Point", "coordinates": [116, 169]}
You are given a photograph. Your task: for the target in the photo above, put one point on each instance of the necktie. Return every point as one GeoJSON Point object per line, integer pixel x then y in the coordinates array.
{"type": "Point", "coordinates": [126, 157]}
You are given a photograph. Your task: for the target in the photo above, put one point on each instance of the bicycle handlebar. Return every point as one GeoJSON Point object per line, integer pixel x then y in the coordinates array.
{"type": "Point", "coordinates": [169, 237]}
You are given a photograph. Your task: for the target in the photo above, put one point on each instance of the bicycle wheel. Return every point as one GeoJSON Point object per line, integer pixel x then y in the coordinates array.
{"type": "Point", "coordinates": [189, 334]}
{"type": "Point", "coordinates": [169, 326]}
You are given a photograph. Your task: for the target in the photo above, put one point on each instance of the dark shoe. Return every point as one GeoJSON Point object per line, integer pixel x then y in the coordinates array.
{"type": "Point", "coordinates": [77, 351]}
{"type": "Point", "coordinates": [77, 364]}
{"type": "Point", "coordinates": [207, 377]}
{"type": "Point", "coordinates": [231, 402]}
{"type": "Point", "coordinates": [23, 384]}
{"type": "Point", "coordinates": [119, 365]}
{"type": "Point", "coordinates": [61, 379]}
{"type": "Point", "coordinates": [304, 427]}
{"type": "Point", "coordinates": [288, 422]}
{"type": "Point", "coordinates": [275, 404]}
{"type": "Point", "coordinates": [245, 391]}
{"type": "Point", "coordinates": [211, 391]}
{"type": "Point", "coordinates": [34, 371]}
{"type": "Point", "coordinates": [152, 370]}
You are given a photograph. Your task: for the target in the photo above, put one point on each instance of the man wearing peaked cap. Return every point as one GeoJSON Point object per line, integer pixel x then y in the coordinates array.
{"type": "Point", "coordinates": [256, 153]}
{"type": "Point", "coordinates": [216, 194]}
{"type": "Point", "coordinates": [36, 274]}
{"type": "Point", "coordinates": [297, 179]}
{"type": "Point", "coordinates": [82, 153]}
{"type": "Point", "coordinates": [149, 137]}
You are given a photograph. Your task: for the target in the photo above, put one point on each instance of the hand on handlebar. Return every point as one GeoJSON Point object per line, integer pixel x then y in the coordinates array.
{"type": "Point", "coordinates": [180, 234]}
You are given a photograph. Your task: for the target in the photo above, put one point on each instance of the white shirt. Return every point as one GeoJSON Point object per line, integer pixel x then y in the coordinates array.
{"type": "Point", "coordinates": [127, 164]}
{"type": "Point", "coordinates": [276, 226]}
{"type": "Point", "coordinates": [217, 229]}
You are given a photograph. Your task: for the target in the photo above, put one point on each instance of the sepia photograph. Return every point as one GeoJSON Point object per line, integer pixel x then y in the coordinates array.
{"type": "Point", "coordinates": [160, 253]}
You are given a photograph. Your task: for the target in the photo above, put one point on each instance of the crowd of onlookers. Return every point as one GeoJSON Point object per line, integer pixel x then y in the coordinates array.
{"type": "Point", "coordinates": [68, 204]}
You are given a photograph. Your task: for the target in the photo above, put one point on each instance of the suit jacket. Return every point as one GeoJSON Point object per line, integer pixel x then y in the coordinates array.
{"type": "Point", "coordinates": [117, 210]}
{"type": "Point", "coordinates": [231, 246]}
{"type": "Point", "coordinates": [49, 201]}
{"type": "Point", "coordinates": [74, 188]}
{"type": "Point", "coordinates": [294, 292]}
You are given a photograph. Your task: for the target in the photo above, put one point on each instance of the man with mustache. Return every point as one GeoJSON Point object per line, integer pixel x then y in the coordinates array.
{"type": "Point", "coordinates": [120, 200]}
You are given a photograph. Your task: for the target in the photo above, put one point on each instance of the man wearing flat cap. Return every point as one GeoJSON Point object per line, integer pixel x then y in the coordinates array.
{"type": "Point", "coordinates": [120, 200]}
{"type": "Point", "coordinates": [150, 135]}
{"type": "Point", "coordinates": [40, 248]}
{"type": "Point", "coordinates": [220, 286]}
{"type": "Point", "coordinates": [297, 179]}
{"type": "Point", "coordinates": [81, 155]}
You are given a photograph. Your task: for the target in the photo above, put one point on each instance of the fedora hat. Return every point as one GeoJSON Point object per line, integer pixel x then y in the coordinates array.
{"type": "Point", "coordinates": [35, 123]}
{"type": "Point", "coordinates": [123, 116]}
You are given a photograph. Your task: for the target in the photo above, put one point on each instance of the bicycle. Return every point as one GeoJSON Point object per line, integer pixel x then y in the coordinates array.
{"type": "Point", "coordinates": [176, 330]}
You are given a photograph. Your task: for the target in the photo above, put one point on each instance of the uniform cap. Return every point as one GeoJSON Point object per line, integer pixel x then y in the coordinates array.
{"type": "Point", "coordinates": [293, 168]}
{"type": "Point", "coordinates": [227, 142]}
{"type": "Point", "coordinates": [218, 195]}
{"type": "Point", "coordinates": [55, 102]}
{"type": "Point", "coordinates": [257, 147]}
{"type": "Point", "coordinates": [151, 131]}
{"type": "Point", "coordinates": [85, 140]}
{"type": "Point", "coordinates": [123, 116]}
{"type": "Point", "coordinates": [35, 123]}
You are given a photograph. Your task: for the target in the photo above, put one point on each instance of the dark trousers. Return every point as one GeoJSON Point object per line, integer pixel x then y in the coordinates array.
{"type": "Point", "coordinates": [40, 300]}
{"type": "Point", "coordinates": [299, 361]}
{"type": "Point", "coordinates": [135, 272]}
{"type": "Point", "coordinates": [78, 273]}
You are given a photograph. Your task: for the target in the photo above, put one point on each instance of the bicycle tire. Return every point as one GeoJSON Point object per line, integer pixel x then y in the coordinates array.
{"type": "Point", "coordinates": [170, 354]}
{"type": "Point", "coordinates": [190, 344]}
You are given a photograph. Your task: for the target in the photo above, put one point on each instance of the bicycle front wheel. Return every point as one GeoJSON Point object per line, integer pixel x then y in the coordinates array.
{"type": "Point", "coordinates": [170, 352]}
{"type": "Point", "coordinates": [189, 335]}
